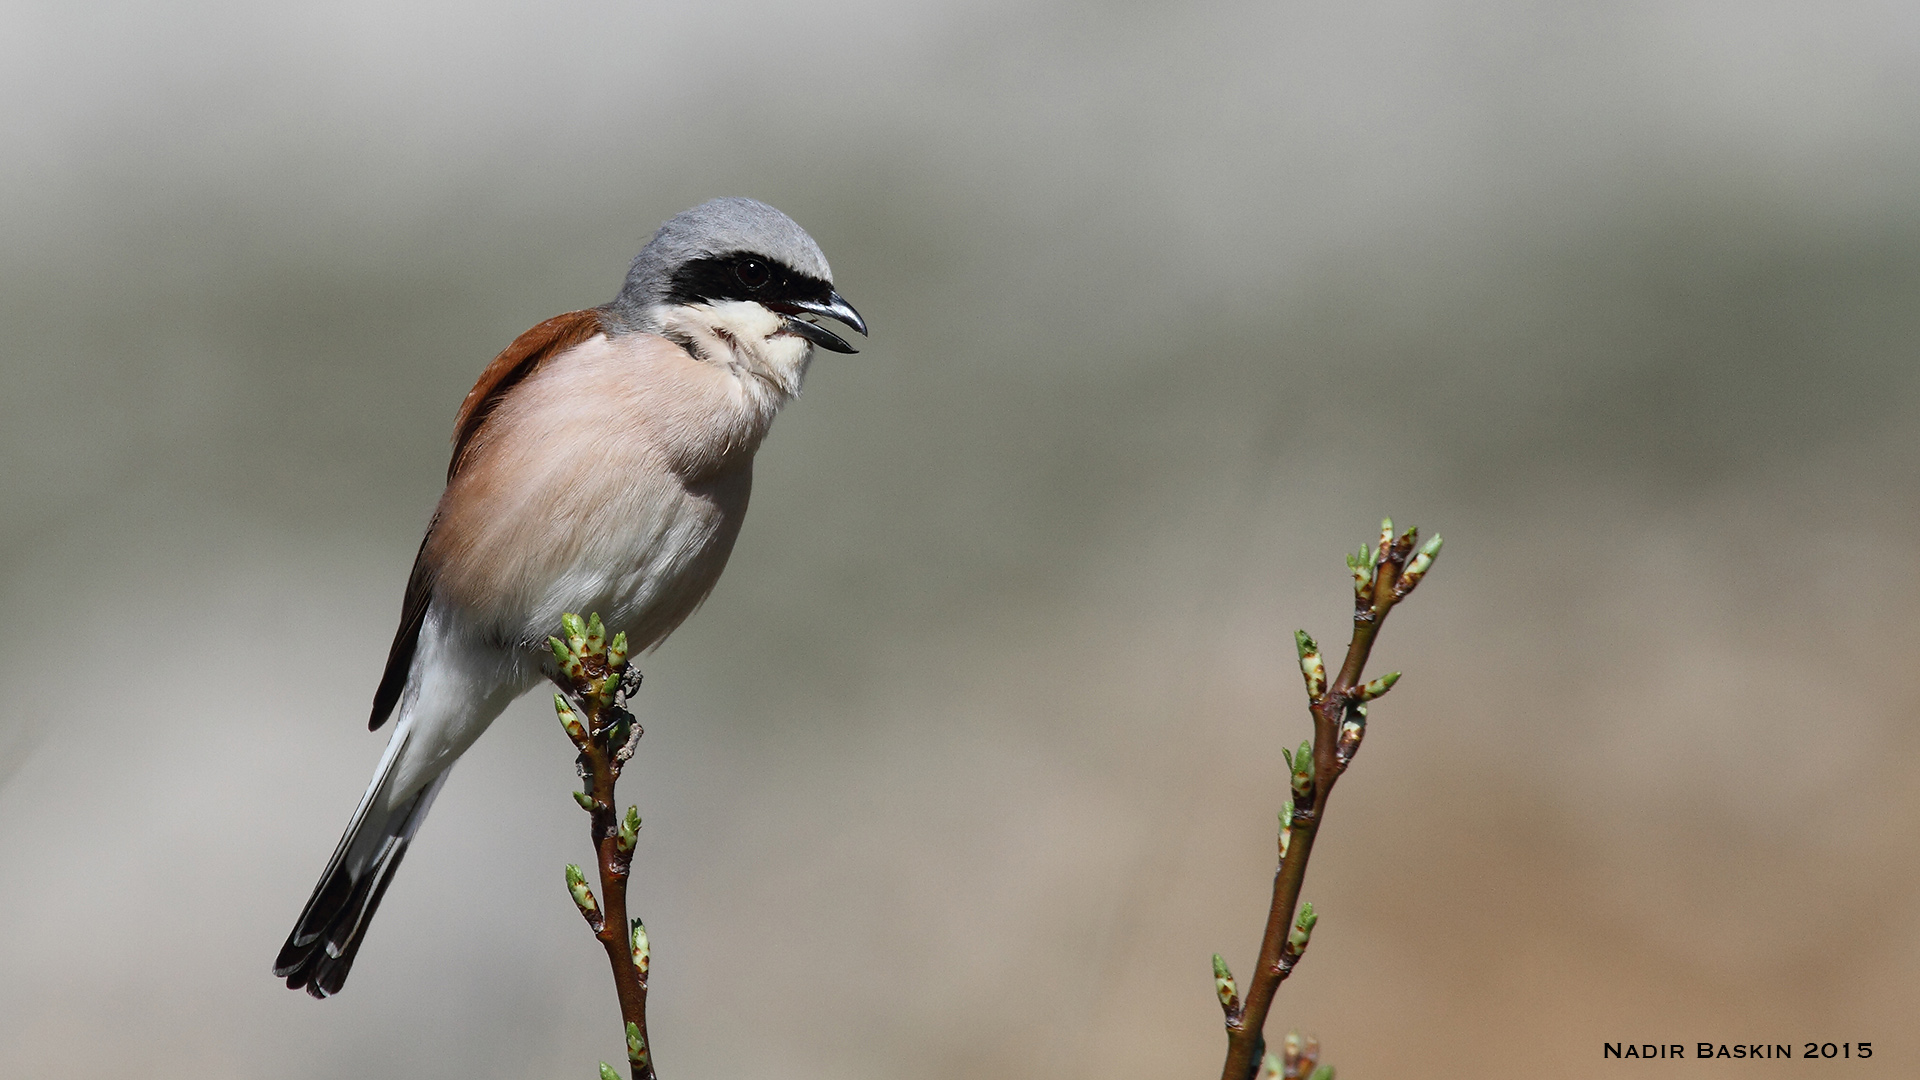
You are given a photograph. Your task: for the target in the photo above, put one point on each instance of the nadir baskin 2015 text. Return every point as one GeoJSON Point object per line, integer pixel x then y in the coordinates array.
{"type": "Point", "coordinates": [1844, 1051]}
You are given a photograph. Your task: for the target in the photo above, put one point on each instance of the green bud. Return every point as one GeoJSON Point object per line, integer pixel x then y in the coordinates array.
{"type": "Point", "coordinates": [1360, 563]}
{"type": "Point", "coordinates": [1324, 1072]}
{"type": "Point", "coordinates": [1351, 732]}
{"type": "Point", "coordinates": [1302, 762]}
{"type": "Point", "coordinates": [629, 831]}
{"type": "Point", "coordinates": [585, 800]}
{"type": "Point", "coordinates": [596, 636]}
{"type": "Point", "coordinates": [568, 719]}
{"type": "Point", "coordinates": [1299, 1055]}
{"type": "Point", "coordinates": [565, 661]}
{"type": "Point", "coordinates": [1418, 568]}
{"type": "Point", "coordinates": [1270, 1067]}
{"type": "Point", "coordinates": [642, 952]}
{"type": "Point", "coordinates": [1302, 931]}
{"type": "Point", "coordinates": [1379, 686]}
{"type": "Point", "coordinates": [1386, 541]}
{"type": "Point", "coordinates": [582, 895]}
{"type": "Point", "coordinates": [1223, 984]}
{"type": "Point", "coordinates": [607, 1073]}
{"type": "Point", "coordinates": [575, 631]}
{"type": "Point", "coordinates": [636, 1044]}
{"type": "Point", "coordinates": [617, 651]}
{"type": "Point", "coordinates": [1311, 667]}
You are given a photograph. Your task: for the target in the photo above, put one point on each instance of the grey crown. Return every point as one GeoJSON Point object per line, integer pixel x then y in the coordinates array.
{"type": "Point", "coordinates": [715, 227]}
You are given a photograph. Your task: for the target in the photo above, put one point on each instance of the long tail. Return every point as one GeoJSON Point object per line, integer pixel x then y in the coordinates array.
{"type": "Point", "coordinates": [319, 952]}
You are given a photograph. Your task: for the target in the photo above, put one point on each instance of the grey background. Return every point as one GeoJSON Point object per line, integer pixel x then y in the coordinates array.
{"type": "Point", "coordinates": [972, 759]}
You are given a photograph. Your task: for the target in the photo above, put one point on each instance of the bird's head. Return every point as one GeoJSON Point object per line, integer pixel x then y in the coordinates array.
{"type": "Point", "coordinates": [736, 271]}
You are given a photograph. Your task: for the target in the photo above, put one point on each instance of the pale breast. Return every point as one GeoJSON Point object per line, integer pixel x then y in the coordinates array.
{"type": "Point", "coordinates": [613, 479]}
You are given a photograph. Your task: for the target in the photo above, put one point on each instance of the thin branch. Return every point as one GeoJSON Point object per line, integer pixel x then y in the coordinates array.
{"type": "Point", "coordinates": [1382, 577]}
{"type": "Point", "coordinates": [594, 680]}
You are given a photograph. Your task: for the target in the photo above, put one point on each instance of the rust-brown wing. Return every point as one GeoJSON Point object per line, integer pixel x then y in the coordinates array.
{"type": "Point", "coordinates": [515, 362]}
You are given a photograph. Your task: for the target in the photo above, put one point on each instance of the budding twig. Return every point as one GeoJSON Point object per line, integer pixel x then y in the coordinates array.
{"type": "Point", "coordinates": [593, 678]}
{"type": "Point", "coordinates": [1383, 575]}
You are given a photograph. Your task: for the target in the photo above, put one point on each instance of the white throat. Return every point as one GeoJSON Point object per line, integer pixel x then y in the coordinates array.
{"type": "Point", "coordinates": [746, 339]}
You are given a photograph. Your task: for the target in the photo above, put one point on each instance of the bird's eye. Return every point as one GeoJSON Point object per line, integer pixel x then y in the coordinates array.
{"type": "Point", "coordinates": [752, 273]}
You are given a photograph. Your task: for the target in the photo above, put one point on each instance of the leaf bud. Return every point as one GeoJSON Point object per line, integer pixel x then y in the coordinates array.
{"type": "Point", "coordinates": [568, 719]}
{"type": "Point", "coordinates": [1379, 686]}
{"type": "Point", "coordinates": [1352, 730]}
{"type": "Point", "coordinates": [1360, 563]}
{"type": "Point", "coordinates": [582, 895]}
{"type": "Point", "coordinates": [642, 950]}
{"type": "Point", "coordinates": [629, 831]}
{"type": "Point", "coordinates": [1223, 985]}
{"type": "Point", "coordinates": [576, 632]}
{"type": "Point", "coordinates": [1299, 1055]}
{"type": "Point", "coordinates": [1418, 568]}
{"type": "Point", "coordinates": [1302, 931]}
{"type": "Point", "coordinates": [1303, 773]}
{"type": "Point", "coordinates": [1311, 667]}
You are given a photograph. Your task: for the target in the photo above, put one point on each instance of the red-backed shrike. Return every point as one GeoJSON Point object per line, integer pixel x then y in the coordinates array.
{"type": "Point", "coordinates": [602, 463]}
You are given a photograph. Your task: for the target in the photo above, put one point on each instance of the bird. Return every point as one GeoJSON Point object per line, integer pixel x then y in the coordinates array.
{"type": "Point", "coordinates": [602, 462]}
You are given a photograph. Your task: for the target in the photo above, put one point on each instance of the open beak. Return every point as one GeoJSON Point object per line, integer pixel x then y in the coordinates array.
{"type": "Point", "coordinates": [834, 306]}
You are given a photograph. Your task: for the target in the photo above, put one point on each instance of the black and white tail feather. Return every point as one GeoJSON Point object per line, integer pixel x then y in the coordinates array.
{"type": "Point", "coordinates": [320, 951]}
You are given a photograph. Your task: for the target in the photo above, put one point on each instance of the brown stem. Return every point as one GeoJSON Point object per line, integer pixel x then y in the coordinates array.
{"type": "Point", "coordinates": [1246, 1042]}
{"type": "Point", "coordinates": [600, 764]}
{"type": "Point", "coordinates": [628, 983]}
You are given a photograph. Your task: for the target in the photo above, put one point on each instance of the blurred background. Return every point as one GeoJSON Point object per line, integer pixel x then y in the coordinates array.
{"type": "Point", "coordinates": [973, 758]}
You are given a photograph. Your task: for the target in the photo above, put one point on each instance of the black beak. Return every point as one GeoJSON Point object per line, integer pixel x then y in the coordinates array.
{"type": "Point", "coordinates": [834, 306]}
